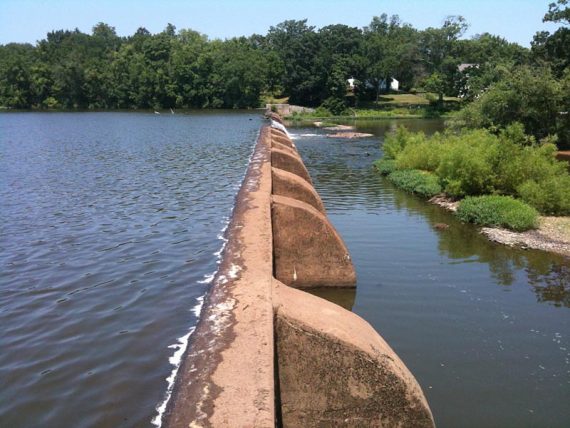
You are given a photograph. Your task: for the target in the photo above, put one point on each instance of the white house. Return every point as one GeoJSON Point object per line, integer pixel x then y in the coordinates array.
{"type": "Point", "coordinates": [394, 85]}
{"type": "Point", "coordinates": [466, 66]}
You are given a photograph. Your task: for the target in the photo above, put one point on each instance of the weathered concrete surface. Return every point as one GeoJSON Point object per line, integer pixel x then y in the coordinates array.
{"type": "Point", "coordinates": [307, 250]}
{"type": "Point", "coordinates": [227, 377]}
{"type": "Point", "coordinates": [288, 162]}
{"type": "Point", "coordinates": [274, 116]}
{"type": "Point", "coordinates": [335, 370]}
{"type": "Point", "coordinates": [332, 368]}
{"type": "Point", "coordinates": [293, 186]}
{"type": "Point", "coordinates": [291, 150]}
{"type": "Point", "coordinates": [281, 139]}
{"type": "Point", "coordinates": [278, 132]}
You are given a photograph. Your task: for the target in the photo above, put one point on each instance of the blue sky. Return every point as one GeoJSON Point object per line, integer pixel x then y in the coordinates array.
{"type": "Point", "coordinates": [30, 20]}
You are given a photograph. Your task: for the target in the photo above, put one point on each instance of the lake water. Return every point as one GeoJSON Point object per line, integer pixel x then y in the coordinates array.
{"type": "Point", "coordinates": [109, 225]}
{"type": "Point", "coordinates": [484, 328]}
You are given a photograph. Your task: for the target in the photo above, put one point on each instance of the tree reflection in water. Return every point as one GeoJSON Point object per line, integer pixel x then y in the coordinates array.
{"type": "Point", "coordinates": [343, 176]}
{"type": "Point", "coordinates": [548, 274]}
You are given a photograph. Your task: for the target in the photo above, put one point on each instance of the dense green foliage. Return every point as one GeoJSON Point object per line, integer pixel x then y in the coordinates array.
{"type": "Point", "coordinates": [500, 82]}
{"type": "Point", "coordinates": [554, 49]}
{"type": "Point", "coordinates": [534, 93]}
{"type": "Point", "coordinates": [101, 70]}
{"type": "Point", "coordinates": [71, 69]}
{"type": "Point", "coordinates": [501, 145]}
{"type": "Point", "coordinates": [419, 182]}
{"type": "Point", "coordinates": [498, 211]}
{"type": "Point", "coordinates": [385, 166]}
{"type": "Point", "coordinates": [531, 96]}
{"type": "Point", "coordinates": [479, 162]}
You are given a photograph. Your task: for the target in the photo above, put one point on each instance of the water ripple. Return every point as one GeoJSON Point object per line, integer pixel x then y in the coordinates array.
{"type": "Point", "coordinates": [109, 223]}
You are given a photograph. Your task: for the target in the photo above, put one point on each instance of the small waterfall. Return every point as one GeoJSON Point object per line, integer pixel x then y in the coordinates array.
{"type": "Point", "coordinates": [277, 125]}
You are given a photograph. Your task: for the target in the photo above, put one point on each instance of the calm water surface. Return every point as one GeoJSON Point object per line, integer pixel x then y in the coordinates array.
{"type": "Point", "coordinates": [109, 225]}
{"type": "Point", "coordinates": [484, 328]}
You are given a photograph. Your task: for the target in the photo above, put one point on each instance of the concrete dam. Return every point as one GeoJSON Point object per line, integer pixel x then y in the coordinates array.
{"type": "Point", "coordinates": [265, 353]}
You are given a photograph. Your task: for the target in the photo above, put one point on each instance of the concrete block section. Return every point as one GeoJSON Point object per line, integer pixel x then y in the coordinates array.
{"type": "Point", "coordinates": [287, 149]}
{"type": "Point", "coordinates": [274, 116]}
{"type": "Point", "coordinates": [334, 370]}
{"type": "Point", "coordinates": [307, 250]}
{"type": "Point", "coordinates": [277, 131]}
{"type": "Point", "coordinates": [293, 186]}
{"type": "Point", "coordinates": [227, 374]}
{"type": "Point", "coordinates": [290, 163]}
{"type": "Point", "coordinates": [280, 138]}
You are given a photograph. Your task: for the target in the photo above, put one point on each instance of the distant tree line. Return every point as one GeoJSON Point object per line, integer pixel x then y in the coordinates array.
{"type": "Point", "coordinates": [71, 69]}
{"type": "Point", "coordinates": [184, 69]}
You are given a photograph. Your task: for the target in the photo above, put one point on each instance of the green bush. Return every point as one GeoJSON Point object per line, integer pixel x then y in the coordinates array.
{"type": "Point", "coordinates": [385, 166]}
{"type": "Point", "coordinates": [498, 211]}
{"type": "Point", "coordinates": [419, 182]}
{"type": "Point", "coordinates": [549, 196]}
{"type": "Point", "coordinates": [336, 106]}
{"type": "Point", "coordinates": [478, 162]}
{"type": "Point", "coordinates": [531, 96]}
{"type": "Point", "coordinates": [466, 164]}
{"type": "Point", "coordinates": [322, 112]}
{"type": "Point", "coordinates": [397, 141]}
{"type": "Point", "coordinates": [420, 153]}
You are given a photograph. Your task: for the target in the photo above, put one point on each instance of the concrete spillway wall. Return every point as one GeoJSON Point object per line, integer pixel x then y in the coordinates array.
{"type": "Point", "coordinates": [265, 353]}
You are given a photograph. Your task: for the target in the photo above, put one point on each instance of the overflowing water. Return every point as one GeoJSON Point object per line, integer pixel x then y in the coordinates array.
{"type": "Point", "coordinates": [484, 328]}
{"type": "Point", "coordinates": [111, 227]}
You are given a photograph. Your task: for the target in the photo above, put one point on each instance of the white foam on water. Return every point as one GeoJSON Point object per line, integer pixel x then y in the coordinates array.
{"type": "Point", "coordinates": [221, 310]}
{"type": "Point", "coordinates": [176, 359]}
{"type": "Point", "coordinates": [207, 278]}
{"type": "Point", "coordinates": [308, 135]}
{"type": "Point", "coordinates": [279, 126]}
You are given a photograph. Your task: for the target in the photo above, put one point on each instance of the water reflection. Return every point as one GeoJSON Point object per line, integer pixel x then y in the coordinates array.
{"type": "Point", "coordinates": [548, 274]}
{"type": "Point", "coordinates": [343, 297]}
{"type": "Point", "coordinates": [551, 283]}
{"type": "Point", "coordinates": [465, 314]}
{"type": "Point", "coordinates": [108, 225]}
{"type": "Point", "coordinates": [344, 178]}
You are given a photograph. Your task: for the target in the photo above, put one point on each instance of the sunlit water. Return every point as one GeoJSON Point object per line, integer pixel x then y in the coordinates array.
{"type": "Point", "coordinates": [484, 328]}
{"type": "Point", "coordinates": [109, 225]}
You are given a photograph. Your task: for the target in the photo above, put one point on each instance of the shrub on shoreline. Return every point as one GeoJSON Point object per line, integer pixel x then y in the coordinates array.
{"type": "Point", "coordinates": [478, 162]}
{"type": "Point", "coordinates": [385, 166]}
{"type": "Point", "coordinates": [419, 182]}
{"type": "Point", "coordinates": [498, 211]}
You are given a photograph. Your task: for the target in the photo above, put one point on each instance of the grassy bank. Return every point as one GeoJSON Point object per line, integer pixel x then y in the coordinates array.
{"type": "Point", "coordinates": [390, 106]}
{"type": "Point", "coordinates": [502, 180]}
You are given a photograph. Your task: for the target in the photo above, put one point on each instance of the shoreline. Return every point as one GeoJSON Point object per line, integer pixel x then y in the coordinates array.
{"type": "Point", "coordinates": [552, 235]}
{"type": "Point", "coordinates": [379, 117]}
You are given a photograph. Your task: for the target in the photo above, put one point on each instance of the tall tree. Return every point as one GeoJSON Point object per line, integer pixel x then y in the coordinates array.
{"type": "Point", "coordinates": [554, 49]}
{"type": "Point", "coordinates": [390, 48]}
{"type": "Point", "coordinates": [439, 54]}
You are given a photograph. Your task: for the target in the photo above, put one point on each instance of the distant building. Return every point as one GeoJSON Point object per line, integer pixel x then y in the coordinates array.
{"type": "Point", "coordinates": [466, 66]}
{"type": "Point", "coordinates": [394, 85]}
